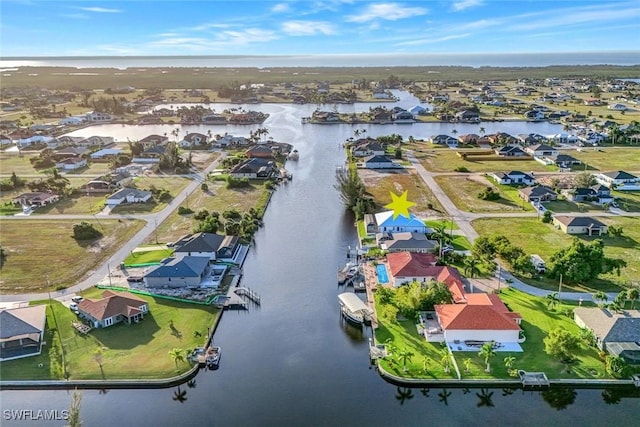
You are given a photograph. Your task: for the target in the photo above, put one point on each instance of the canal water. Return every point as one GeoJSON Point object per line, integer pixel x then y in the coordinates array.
{"type": "Point", "coordinates": [293, 361]}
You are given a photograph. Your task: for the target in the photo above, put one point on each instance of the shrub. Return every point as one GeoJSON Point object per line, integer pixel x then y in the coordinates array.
{"type": "Point", "coordinates": [489, 194]}
{"type": "Point", "coordinates": [184, 210]}
{"type": "Point", "coordinates": [461, 169]}
{"type": "Point", "coordinates": [85, 231]}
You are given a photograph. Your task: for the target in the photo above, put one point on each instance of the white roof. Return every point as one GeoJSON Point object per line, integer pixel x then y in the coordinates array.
{"type": "Point", "coordinates": [353, 303]}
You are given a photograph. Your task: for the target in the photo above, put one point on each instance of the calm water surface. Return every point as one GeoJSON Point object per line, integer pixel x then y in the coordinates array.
{"type": "Point", "coordinates": [293, 361]}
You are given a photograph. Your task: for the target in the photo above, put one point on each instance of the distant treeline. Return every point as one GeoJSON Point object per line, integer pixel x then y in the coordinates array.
{"type": "Point", "coordinates": [66, 78]}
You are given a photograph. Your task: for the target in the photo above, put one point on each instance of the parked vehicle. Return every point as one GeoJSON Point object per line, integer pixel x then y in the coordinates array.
{"type": "Point", "coordinates": [77, 299]}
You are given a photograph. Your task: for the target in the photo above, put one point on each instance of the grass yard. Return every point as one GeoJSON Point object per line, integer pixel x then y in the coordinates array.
{"type": "Point", "coordinates": [543, 239]}
{"type": "Point", "coordinates": [380, 184]}
{"type": "Point", "coordinates": [76, 204]}
{"type": "Point", "coordinates": [608, 158]}
{"type": "Point", "coordinates": [448, 224]}
{"type": "Point", "coordinates": [39, 250]}
{"type": "Point", "coordinates": [536, 324]}
{"type": "Point", "coordinates": [448, 161]}
{"type": "Point", "coordinates": [217, 198]}
{"type": "Point", "coordinates": [140, 256]}
{"type": "Point", "coordinates": [463, 192]}
{"type": "Point", "coordinates": [140, 350]}
{"type": "Point", "coordinates": [10, 162]}
{"type": "Point", "coordinates": [173, 184]}
{"type": "Point", "coordinates": [565, 206]}
{"type": "Point", "coordinates": [628, 200]}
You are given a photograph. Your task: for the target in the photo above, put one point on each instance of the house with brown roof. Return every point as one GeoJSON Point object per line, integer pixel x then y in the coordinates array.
{"type": "Point", "coordinates": [580, 225]}
{"type": "Point", "coordinates": [21, 331]}
{"type": "Point", "coordinates": [114, 307]}
{"type": "Point", "coordinates": [259, 151]}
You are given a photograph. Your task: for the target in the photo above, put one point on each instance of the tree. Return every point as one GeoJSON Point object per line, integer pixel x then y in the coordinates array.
{"type": "Point", "coordinates": [561, 344]}
{"type": "Point", "coordinates": [600, 296]}
{"type": "Point", "coordinates": [583, 180]}
{"type": "Point", "coordinates": [445, 361]}
{"type": "Point", "coordinates": [471, 268]}
{"type": "Point", "coordinates": [552, 300]}
{"type": "Point", "coordinates": [509, 361]}
{"type": "Point", "coordinates": [633, 294]}
{"type": "Point", "coordinates": [73, 419]}
{"type": "Point", "coordinates": [85, 231]}
{"type": "Point", "coordinates": [547, 217]}
{"type": "Point", "coordinates": [467, 364]}
{"type": "Point", "coordinates": [350, 187]}
{"type": "Point", "coordinates": [583, 262]}
{"type": "Point", "coordinates": [483, 248]}
{"type": "Point", "coordinates": [405, 356]}
{"type": "Point", "coordinates": [177, 354]}
{"type": "Point", "coordinates": [487, 352]}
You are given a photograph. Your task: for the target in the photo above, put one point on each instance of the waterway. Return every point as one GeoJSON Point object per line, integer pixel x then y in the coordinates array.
{"type": "Point", "coordinates": [293, 360]}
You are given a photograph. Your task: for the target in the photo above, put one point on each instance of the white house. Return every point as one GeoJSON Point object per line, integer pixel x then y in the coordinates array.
{"type": "Point", "coordinates": [513, 177]}
{"type": "Point", "coordinates": [620, 180]}
{"type": "Point", "coordinates": [73, 121]}
{"type": "Point", "coordinates": [541, 150]}
{"type": "Point", "coordinates": [617, 107]}
{"type": "Point", "coordinates": [384, 222]}
{"type": "Point", "coordinates": [97, 116]}
{"type": "Point", "coordinates": [193, 139]}
{"type": "Point", "coordinates": [128, 195]}
{"type": "Point", "coordinates": [72, 163]}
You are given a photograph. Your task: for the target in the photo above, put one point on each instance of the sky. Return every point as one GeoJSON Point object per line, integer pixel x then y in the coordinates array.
{"type": "Point", "coordinates": [205, 27]}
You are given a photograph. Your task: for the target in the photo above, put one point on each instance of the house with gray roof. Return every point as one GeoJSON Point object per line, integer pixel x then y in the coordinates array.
{"type": "Point", "coordinates": [180, 271]}
{"type": "Point", "coordinates": [128, 195]}
{"type": "Point", "coordinates": [616, 333]}
{"type": "Point", "coordinates": [620, 180]}
{"type": "Point", "coordinates": [214, 246]}
{"type": "Point", "coordinates": [513, 178]}
{"type": "Point", "coordinates": [254, 168]}
{"type": "Point", "coordinates": [510, 151]}
{"type": "Point", "coordinates": [22, 331]}
{"type": "Point", "coordinates": [539, 193]}
{"type": "Point", "coordinates": [375, 161]}
{"type": "Point", "coordinates": [406, 242]}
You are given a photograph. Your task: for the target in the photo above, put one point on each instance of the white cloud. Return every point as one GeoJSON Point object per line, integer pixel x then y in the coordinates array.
{"type": "Point", "coordinates": [587, 15]}
{"type": "Point", "coordinates": [280, 8]}
{"type": "Point", "coordinates": [434, 40]}
{"type": "Point", "coordinates": [250, 35]}
{"type": "Point", "coordinates": [207, 26]}
{"type": "Point", "coordinates": [388, 11]}
{"type": "Point", "coordinates": [466, 4]}
{"type": "Point", "coordinates": [99, 9]}
{"type": "Point", "coordinates": [308, 28]}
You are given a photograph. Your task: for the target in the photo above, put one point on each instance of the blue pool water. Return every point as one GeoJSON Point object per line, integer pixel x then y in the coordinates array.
{"type": "Point", "coordinates": [382, 274]}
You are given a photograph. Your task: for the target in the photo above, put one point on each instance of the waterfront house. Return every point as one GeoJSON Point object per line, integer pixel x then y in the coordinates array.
{"type": "Point", "coordinates": [95, 141]}
{"type": "Point", "coordinates": [181, 271]}
{"type": "Point", "coordinates": [616, 333]}
{"type": "Point", "coordinates": [539, 193]}
{"type": "Point", "coordinates": [72, 121]}
{"type": "Point", "coordinates": [444, 140]}
{"type": "Point", "coordinates": [106, 154]}
{"type": "Point", "coordinates": [128, 195]}
{"type": "Point", "coordinates": [384, 222]}
{"type": "Point", "coordinates": [375, 161]}
{"type": "Point", "coordinates": [22, 331]}
{"type": "Point", "coordinates": [68, 152]}
{"type": "Point", "coordinates": [150, 141]}
{"type": "Point", "coordinates": [535, 115]}
{"type": "Point", "coordinates": [580, 225]}
{"type": "Point", "coordinates": [150, 155]}
{"type": "Point", "coordinates": [214, 247]}
{"type": "Point", "coordinates": [406, 267]}
{"type": "Point", "coordinates": [259, 151]}
{"type": "Point", "coordinates": [229, 140]}
{"type": "Point", "coordinates": [254, 169]}
{"type": "Point", "coordinates": [193, 139]}
{"type": "Point", "coordinates": [541, 150]}
{"type": "Point", "coordinates": [483, 318]}
{"type": "Point", "coordinates": [467, 116]}
{"type": "Point", "coordinates": [97, 116]}
{"type": "Point", "coordinates": [112, 308]}
{"type": "Point", "coordinates": [406, 242]}
{"type": "Point", "coordinates": [619, 180]}
{"type": "Point", "coordinates": [513, 178]}
{"type": "Point", "coordinates": [367, 147]}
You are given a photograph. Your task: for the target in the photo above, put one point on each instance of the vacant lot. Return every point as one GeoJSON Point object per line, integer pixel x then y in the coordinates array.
{"type": "Point", "coordinates": [445, 160]}
{"type": "Point", "coordinates": [463, 192]}
{"type": "Point", "coordinates": [39, 251]}
{"type": "Point", "coordinates": [217, 199]}
{"type": "Point", "coordinates": [607, 158]}
{"type": "Point", "coordinates": [543, 239]}
{"type": "Point", "coordinates": [380, 183]}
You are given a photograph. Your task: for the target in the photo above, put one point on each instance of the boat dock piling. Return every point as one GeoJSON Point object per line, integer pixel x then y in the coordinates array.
{"type": "Point", "coordinates": [246, 292]}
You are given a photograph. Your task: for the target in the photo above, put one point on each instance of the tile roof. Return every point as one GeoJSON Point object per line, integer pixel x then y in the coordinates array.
{"type": "Point", "coordinates": [410, 264]}
{"type": "Point", "coordinates": [112, 304]}
{"type": "Point", "coordinates": [475, 317]}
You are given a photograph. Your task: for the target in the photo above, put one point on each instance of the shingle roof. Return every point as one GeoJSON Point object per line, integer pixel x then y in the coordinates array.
{"type": "Point", "coordinates": [185, 266]}
{"type": "Point", "coordinates": [21, 321]}
{"type": "Point", "coordinates": [112, 304]}
{"type": "Point", "coordinates": [579, 221]}
{"type": "Point", "coordinates": [473, 317]}
{"type": "Point", "coordinates": [199, 242]}
{"type": "Point", "coordinates": [611, 327]}
{"type": "Point", "coordinates": [619, 175]}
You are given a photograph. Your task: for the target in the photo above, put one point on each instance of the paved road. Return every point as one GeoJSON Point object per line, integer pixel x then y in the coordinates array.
{"type": "Point", "coordinates": [463, 219]}
{"type": "Point", "coordinates": [101, 271]}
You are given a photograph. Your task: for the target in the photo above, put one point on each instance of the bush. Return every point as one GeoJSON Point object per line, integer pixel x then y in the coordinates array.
{"type": "Point", "coordinates": [237, 182]}
{"type": "Point", "coordinates": [184, 210]}
{"type": "Point", "coordinates": [489, 194]}
{"type": "Point", "coordinates": [461, 169]}
{"type": "Point", "coordinates": [85, 231]}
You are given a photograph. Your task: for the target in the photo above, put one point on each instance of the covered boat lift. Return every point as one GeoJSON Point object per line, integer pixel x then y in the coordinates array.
{"type": "Point", "coordinates": [354, 305]}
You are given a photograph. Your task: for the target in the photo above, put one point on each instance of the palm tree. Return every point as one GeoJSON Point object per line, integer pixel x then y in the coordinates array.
{"type": "Point", "coordinates": [405, 356]}
{"type": "Point", "coordinates": [445, 361]}
{"type": "Point", "coordinates": [180, 395]}
{"type": "Point", "coordinates": [404, 394]}
{"type": "Point", "coordinates": [600, 296]}
{"type": "Point", "coordinates": [487, 352]}
{"type": "Point", "coordinates": [471, 268]}
{"type": "Point", "coordinates": [552, 300]}
{"type": "Point", "coordinates": [509, 361]}
{"type": "Point", "coordinates": [177, 354]}
{"type": "Point", "coordinates": [425, 392]}
{"type": "Point", "coordinates": [634, 295]}
{"type": "Point", "coordinates": [467, 364]}
{"type": "Point", "coordinates": [482, 131]}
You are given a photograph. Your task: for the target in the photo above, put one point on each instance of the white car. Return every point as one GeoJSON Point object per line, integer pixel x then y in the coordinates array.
{"type": "Point", "coordinates": [73, 307]}
{"type": "Point", "coordinates": [77, 299]}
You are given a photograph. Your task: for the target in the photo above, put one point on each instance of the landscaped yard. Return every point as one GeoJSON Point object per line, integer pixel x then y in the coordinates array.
{"type": "Point", "coordinates": [538, 321]}
{"type": "Point", "coordinates": [381, 184]}
{"type": "Point", "coordinates": [543, 239]}
{"type": "Point", "coordinates": [139, 350]}
{"type": "Point", "coordinates": [463, 192]}
{"type": "Point", "coordinates": [44, 250]}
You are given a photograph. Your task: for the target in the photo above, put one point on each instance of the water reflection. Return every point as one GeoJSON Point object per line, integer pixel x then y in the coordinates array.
{"type": "Point", "coordinates": [559, 398]}
{"type": "Point", "coordinates": [444, 396]}
{"type": "Point", "coordinates": [180, 395]}
{"type": "Point", "coordinates": [485, 398]}
{"type": "Point", "coordinates": [403, 394]}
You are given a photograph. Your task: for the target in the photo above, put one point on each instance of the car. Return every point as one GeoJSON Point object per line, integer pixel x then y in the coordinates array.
{"type": "Point", "coordinates": [77, 299]}
{"type": "Point", "coordinates": [135, 279]}
{"type": "Point", "coordinates": [73, 307]}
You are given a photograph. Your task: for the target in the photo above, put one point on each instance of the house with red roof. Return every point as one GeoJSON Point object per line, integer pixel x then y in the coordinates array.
{"type": "Point", "coordinates": [483, 318]}
{"type": "Point", "coordinates": [114, 307]}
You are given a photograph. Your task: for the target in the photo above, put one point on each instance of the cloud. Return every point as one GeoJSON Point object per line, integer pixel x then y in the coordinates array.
{"type": "Point", "coordinates": [388, 11]}
{"type": "Point", "coordinates": [220, 40]}
{"type": "Point", "coordinates": [99, 9]}
{"type": "Point", "coordinates": [280, 8]}
{"type": "Point", "coordinates": [576, 16]}
{"type": "Point", "coordinates": [207, 26]}
{"type": "Point", "coordinates": [434, 40]}
{"type": "Point", "coordinates": [308, 28]}
{"type": "Point", "coordinates": [466, 4]}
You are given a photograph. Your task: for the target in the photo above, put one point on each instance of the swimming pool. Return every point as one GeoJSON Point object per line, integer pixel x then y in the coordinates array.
{"type": "Point", "coordinates": [383, 278]}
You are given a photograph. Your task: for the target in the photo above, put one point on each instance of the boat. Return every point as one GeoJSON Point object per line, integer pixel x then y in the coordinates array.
{"type": "Point", "coordinates": [198, 356]}
{"type": "Point", "coordinates": [354, 309]}
{"type": "Point", "coordinates": [294, 155]}
{"type": "Point", "coordinates": [342, 272]}
{"type": "Point", "coordinates": [359, 287]}
{"type": "Point", "coordinates": [213, 357]}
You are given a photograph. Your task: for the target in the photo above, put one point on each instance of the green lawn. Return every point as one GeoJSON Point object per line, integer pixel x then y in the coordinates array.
{"type": "Point", "coordinates": [543, 239]}
{"type": "Point", "coordinates": [129, 351]}
{"type": "Point", "coordinates": [146, 257]}
{"type": "Point", "coordinates": [448, 224]}
{"type": "Point", "coordinates": [448, 161]}
{"type": "Point", "coordinates": [564, 206]}
{"type": "Point", "coordinates": [38, 251]}
{"type": "Point", "coordinates": [607, 158]}
{"type": "Point", "coordinates": [628, 200]}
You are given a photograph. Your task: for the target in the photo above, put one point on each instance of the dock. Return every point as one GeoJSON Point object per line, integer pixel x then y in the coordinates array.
{"type": "Point", "coordinates": [246, 292]}
{"type": "Point", "coordinates": [636, 380]}
{"type": "Point", "coordinates": [533, 379]}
